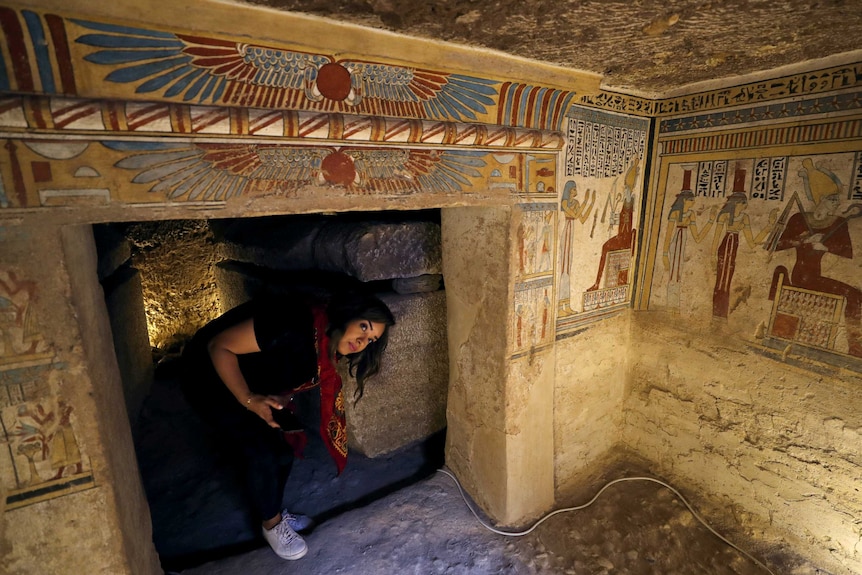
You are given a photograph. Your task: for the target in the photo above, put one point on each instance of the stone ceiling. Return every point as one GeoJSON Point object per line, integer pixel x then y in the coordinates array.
{"type": "Point", "coordinates": [649, 47]}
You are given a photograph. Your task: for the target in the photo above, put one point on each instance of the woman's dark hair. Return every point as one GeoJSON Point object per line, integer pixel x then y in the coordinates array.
{"type": "Point", "coordinates": [346, 307]}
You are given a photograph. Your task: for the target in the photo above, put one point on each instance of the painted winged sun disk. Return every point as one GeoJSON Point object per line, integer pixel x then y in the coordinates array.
{"type": "Point", "coordinates": [217, 71]}
{"type": "Point", "coordinates": [219, 171]}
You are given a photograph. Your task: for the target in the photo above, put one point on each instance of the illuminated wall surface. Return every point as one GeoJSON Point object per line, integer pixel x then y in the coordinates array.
{"type": "Point", "coordinates": [674, 278]}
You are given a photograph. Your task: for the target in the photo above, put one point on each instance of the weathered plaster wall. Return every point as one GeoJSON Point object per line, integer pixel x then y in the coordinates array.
{"type": "Point", "coordinates": [746, 368]}
{"type": "Point", "coordinates": [500, 425]}
{"type": "Point", "coordinates": [601, 193]}
{"type": "Point", "coordinates": [125, 510]}
{"type": "Point", "coordinates": [476, 249]}
{"type": "Point", "coordinates": [591, 378]}
{"type": "Point", "coordinates": [64, 416]}
{"type": "Point", "coordinates": [529, 420]}
{"type": "Point", "coordinates": [528, 416]}
{"type": "Point", "coordinates": [768, 450]}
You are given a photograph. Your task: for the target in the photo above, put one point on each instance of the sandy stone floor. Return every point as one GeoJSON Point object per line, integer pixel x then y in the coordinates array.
{"type": "Point", "coordinates": [396, 515]}
{"type": "Point", "coordinates": [635, 528]}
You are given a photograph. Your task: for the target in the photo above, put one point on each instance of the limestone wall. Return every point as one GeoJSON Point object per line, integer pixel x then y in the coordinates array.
{"type": "Point", "coordinates": [476, 434]}
{"type": "Point", "coordinates": [769, 451]}
{"type": "Point", "coordinates": [563, 208]}
{"type": "Point", "coordinates": [746, 355]}
{"type": "Point", "coordinates": [71, 475]}
{"type": "Point", "coordinates": [591, 379]}
{"type": "Point", "coordinates": [599, 212]}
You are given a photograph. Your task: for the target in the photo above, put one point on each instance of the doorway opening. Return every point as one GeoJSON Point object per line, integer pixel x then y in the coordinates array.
{"type": "Point", "coordinates": [163, 280]}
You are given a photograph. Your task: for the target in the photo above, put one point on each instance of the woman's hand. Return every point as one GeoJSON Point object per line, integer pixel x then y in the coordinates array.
{"type": "Point", "coordinates": [262, 406]}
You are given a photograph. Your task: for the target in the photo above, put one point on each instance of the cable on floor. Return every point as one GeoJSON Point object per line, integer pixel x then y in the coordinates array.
{"type": "Point", "coordinates": [591, 501]}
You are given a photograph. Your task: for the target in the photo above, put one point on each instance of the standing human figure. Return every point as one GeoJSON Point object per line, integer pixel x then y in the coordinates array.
{"type": "Point", "coordinates": [681, 221]}
{"type": "Point", "coordinates": [241, 368]}
{"type": "Point", "coordinates": [573, 210]}
{"type": "Point", "coordinates": [732, 220]}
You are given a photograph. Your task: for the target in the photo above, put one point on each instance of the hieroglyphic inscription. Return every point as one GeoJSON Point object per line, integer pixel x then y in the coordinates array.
{"type": "Point", "coordinates": [620, 103]}
{"type": "Point", "coordinates": [809, 83]}
{"type": "Point", "coordinates": [856, 184]}
{"type": "Point", "coordinates": [711, 178]}
{"type": "Point", "coordinates": [602, 145]}
{"type": "Point", "coordinates": [769, 177]}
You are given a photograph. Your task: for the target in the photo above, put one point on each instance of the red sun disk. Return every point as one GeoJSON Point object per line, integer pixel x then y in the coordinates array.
{"type": "Point", "coordinates": [333, 81]}
{"type": "Point", "coordinates": [338, 169]}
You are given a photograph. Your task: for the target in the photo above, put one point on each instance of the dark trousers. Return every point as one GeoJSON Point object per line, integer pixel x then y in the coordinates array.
{"type": "Point", "coordinates": [265, 457]}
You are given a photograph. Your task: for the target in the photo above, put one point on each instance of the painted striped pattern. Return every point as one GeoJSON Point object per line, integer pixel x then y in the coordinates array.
{"type": "Point", "coordinates": [265, 123]}
{"type": "Point", "coordinates": [532, 106]}
{"type": "Point", "coordinates": [210, 120]}
{"type": "Point", "coordinates": [12, 113]}
{"type": "Point", "coordinates": [76, 114]}
{"type": "Point", "coordinates": [826, 131]}
{"type": "Point", "coordinates": [22, 112]}
{"type": "Point", "coordinates": [48, 68]}
{"type": "Point", "coordinates": [148, 117]}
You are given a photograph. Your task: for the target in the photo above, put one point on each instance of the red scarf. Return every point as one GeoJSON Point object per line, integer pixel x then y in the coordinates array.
{"type": "Point", "coordinates": [333, 426]}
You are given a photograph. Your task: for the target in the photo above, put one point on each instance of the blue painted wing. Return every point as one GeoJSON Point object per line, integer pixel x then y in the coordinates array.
{"type": "Point", "coordinates": [440, 95]}
{"type": "Point", "coordinates": [213, 71]}
{"type": "Point", "coordinates": [407, 171]}
{"type": "Point", "coordinates": [200, 69]}
{"type": "Point", "coordinates": [217, 171]}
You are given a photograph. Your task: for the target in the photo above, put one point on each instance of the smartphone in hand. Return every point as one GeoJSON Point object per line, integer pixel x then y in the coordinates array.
{"type": "Point", "coordinates": [286, 420]}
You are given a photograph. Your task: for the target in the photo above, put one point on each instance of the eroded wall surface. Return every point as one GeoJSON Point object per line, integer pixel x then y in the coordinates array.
{"type": "Point", "coordinates": [68, 470]}
{"type": "Point", "coordinates": [746, 357]}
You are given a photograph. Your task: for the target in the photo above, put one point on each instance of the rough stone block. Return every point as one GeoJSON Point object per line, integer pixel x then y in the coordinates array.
{"type": "Point", "coordinates": [378, 251]}
{"type": "Point", "coordinates": [406, 401]}
{"type": "Point", "coordinates": [125, 304]}
{"type": "Point", "coordinates": [275, 243]}
{"type": "Point", "coordinates": [113, 249]}
{"type": "Point", "coordinates": [367, 251]}
{"type": "Point", "coordinates": [418, 284]}
{"type": "Point", "coordinates": [239, 282]}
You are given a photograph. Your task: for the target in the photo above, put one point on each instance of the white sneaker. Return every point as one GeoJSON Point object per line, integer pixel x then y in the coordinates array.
{"type": "Point", "coordinates": [296, 521]}
{"type": "Point", "coordinates": [285, 542]}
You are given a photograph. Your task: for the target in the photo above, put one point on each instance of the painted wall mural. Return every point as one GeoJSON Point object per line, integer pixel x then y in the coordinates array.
{"type": "Point", "coordinates": [598, 207]}
{"type": "Point", "coordinates": [778, 233]}
{"type": "Point", "coordinates": [535, 244]}
{"type": "Point", "coordinates": [204, 171]}
{"type": "Point", "coordinates": [218, 71]}
{"type": "Point", "coordinates": [806, 84]}
{"type": "Point", "coordinates": [75, 116]}
{"type": "Point", "coordinates": [64, 172]}
{"type": "Point", "coordinates": [41, 453]}
{"type": "Point", "coordinates": [56, 55]}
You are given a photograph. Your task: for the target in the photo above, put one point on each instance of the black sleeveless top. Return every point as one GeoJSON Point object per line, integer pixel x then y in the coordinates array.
{"type": "Point", "coordinates": [284, 331]}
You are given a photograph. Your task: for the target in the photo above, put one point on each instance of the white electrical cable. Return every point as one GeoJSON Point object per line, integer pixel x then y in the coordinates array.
{"type": "Point", "coordinates": [591, 501]}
